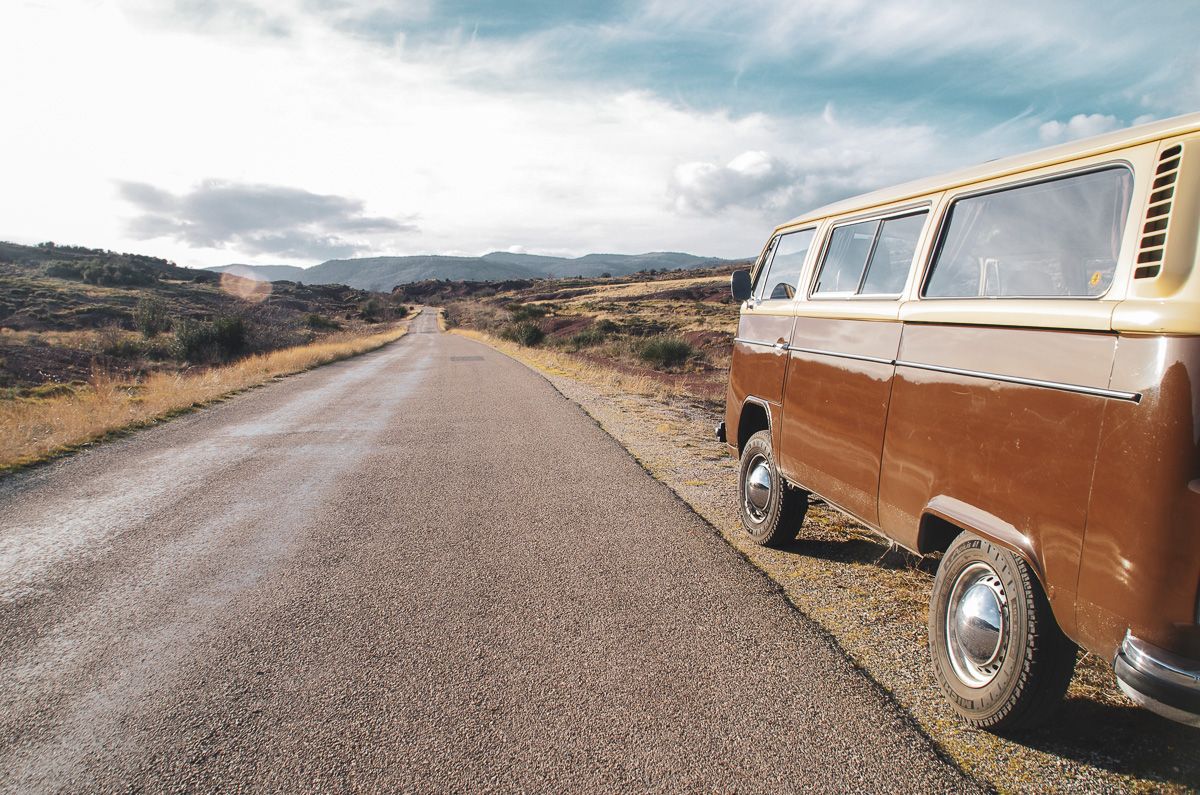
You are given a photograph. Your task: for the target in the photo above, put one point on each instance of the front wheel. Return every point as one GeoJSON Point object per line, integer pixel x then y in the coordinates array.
{"type": "Point", "coordinates": [772, 511]}
{"type": "Point", "coordinates": [997, 651]}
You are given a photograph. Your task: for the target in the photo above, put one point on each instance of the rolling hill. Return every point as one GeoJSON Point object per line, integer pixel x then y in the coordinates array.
{"type": "Point", "coordinates": [68, 313]}
{"type": "Point", "coordinates": [384, 273]}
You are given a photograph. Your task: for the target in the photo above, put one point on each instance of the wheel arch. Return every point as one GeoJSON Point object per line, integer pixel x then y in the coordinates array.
{"type": "Point", "coordinates": [945, 518]}
{"type": "Point", "coordinates": [755, 416]}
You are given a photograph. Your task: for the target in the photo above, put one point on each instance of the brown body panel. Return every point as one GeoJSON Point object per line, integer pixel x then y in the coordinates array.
{"type": "Point", "coordinates": [835, 409]}
{"type": "Point", "coordinates": [1141, 557]}
{"type": "Point", "coordinates": [1013, 460]}
{"type": "Point", "coordinates": [757, 367]}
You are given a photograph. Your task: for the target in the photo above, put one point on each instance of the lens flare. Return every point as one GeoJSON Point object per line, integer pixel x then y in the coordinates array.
{"type": "Point", "coordinates": [246, 288]}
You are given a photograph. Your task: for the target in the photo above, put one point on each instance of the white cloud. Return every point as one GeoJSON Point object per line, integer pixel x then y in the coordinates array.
{"type": "Point", "coordinates": [811, 161]}
{"type": "Point", "coordinates": [752, 179]}
{"type": "Point", "coordinates": [270, 220]}
{"type": "Point", "coordinates": [571, 169]}
{"type": "Point", "coordinates": [481, 138]}
{"type": "Point", "coordinates": [1082, 125]}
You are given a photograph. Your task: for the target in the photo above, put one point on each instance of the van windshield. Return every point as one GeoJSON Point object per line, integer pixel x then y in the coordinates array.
{"type": "Point", "coordinates": [1055, 238]}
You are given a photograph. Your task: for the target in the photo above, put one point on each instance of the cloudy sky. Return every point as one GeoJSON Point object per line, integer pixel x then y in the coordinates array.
{"type": "Point", "coordinates": [293, 131]}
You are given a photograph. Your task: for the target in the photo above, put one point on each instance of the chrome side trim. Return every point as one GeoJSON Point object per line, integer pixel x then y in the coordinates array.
{"type": "Point", "coordinates": [855, 356]}
{"type": "Point", "coordinates": [1133, 397]}
{"type": "Point", "coordinates": [754, 342]}
{"type": "Point", "coordinates": [1114, 394]}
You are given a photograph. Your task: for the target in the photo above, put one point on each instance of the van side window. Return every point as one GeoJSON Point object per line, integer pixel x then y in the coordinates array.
{"type": "Point", "coordinates": [1055, 238]}
{"type": "Point", "coordinates": [783, 270]}
{"type": "Point", "coordinates": [870, 257]}
{"type": "Point", "coordinates": [887, 271]}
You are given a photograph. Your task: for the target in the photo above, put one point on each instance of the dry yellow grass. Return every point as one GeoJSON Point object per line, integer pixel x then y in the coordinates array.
{"type": "Point", "coordinates": [35, 430]}
{"type": "Point", "coordinates": [564, 364]}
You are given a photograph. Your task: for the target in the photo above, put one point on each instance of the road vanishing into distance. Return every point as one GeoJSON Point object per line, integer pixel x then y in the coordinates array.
{"type": "Point", "coordinates": [421, 569]}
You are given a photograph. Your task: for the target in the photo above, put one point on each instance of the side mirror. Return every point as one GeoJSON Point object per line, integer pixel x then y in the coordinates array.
{"type": "Point", "coordinates": [739, 283]}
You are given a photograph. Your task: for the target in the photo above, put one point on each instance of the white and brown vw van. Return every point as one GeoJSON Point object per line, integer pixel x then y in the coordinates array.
{"type": "Point", "coordinates": [1000, 365]}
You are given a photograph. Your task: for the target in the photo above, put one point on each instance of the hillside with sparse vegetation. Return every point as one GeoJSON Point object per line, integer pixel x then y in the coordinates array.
{"type": "Point", "coordinates": [672, 328]}
{"type": "Point", "coordinates": [68, 313]}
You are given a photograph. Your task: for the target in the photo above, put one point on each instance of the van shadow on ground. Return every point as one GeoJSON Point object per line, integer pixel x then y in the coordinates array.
{"type": "Point", "coordinates": [1127, 740]}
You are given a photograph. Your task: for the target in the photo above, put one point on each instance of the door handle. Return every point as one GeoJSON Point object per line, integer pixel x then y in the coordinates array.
{"type": "Point", "coordinates": [781, 346]}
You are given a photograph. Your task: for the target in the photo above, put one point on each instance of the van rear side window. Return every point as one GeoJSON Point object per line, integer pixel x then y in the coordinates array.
{"type": "Point", "coordinates": [1059, 238]}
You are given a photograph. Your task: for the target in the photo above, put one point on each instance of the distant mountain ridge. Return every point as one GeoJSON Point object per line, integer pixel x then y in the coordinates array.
{"type": "Point", "coordinates": [384, 273]}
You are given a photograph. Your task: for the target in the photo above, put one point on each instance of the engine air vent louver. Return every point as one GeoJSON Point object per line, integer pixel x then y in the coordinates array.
{"type": "Point", "coordinates": [1158, 214]}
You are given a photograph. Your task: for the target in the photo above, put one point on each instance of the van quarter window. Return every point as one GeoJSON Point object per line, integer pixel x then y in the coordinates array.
{"type": "Point", "coordinates": [1055, 238]}
{"type": "Point", "coordinates": [783, 271]}
{"type": "Point", "coordinates": [870, 257]}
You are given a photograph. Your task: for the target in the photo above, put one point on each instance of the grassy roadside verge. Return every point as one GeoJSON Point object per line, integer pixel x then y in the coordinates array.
{"type": "Point", "coordinates": [873, 603]}
{"type": "Point", "coordinates": [564, 364]}
{"type": "Point", "coordinates": [36, 430]}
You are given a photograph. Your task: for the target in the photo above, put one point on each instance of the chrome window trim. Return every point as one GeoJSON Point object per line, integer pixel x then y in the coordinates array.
{"type": "Point", "coordinates": [925, 205]}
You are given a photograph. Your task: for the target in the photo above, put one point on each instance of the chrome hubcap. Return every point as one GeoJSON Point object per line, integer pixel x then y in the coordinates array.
{"type": "Point", "coordinates": [977, 625]}
{"type": "Point", "coordinates": [758, 488]}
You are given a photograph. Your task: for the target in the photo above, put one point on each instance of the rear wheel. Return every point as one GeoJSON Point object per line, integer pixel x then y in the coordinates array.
{"type": "Point", "coordinates": [772, 511]}
{"type": "Point", "coordinates": [997, 651]}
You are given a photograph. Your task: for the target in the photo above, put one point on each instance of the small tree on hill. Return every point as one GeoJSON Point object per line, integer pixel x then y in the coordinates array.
{"type": "Point", "coordinates": [151, 316]}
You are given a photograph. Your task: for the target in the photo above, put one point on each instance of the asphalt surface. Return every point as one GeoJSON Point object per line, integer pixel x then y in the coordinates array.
{"type": "Point", "coordinates": [422, 570]}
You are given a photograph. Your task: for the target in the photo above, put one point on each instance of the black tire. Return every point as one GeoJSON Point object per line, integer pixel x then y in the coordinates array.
{"type": "Point", "coordinates": [776, 523]}
{"type": "Point", "coordinates": [1024, 682]}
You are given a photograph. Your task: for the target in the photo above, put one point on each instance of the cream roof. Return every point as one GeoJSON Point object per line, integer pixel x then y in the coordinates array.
{"type": "Point", "coordinates": [1179, 125]}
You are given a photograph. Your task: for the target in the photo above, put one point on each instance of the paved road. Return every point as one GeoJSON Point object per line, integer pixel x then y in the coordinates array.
{"type": "Point", "coordinates": [421, 569]}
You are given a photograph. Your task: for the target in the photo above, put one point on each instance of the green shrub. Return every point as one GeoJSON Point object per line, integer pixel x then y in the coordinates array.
{"type": "Point", "coordinates": [665, 352]}
{"type": "Point", "coordinates": [371, 310]}
{"type": "Point", "coordinates": [199, 342]}
{"type": "Point", "coordinates": [194, 341]}
{"type": "Point", "coordinates": [63, 270]}
{"type": "Point", "coordinates": [230, 336]}
{"type": "Point", "coordinates": [526, 333]}
{"type": "Point", "coordinates": [119, 275]}
{"type": "Point", "coordinates": [111, 341]}
{"type": "Point", "coordinates": [524, 312]}
{"type": "Point", "coordinates": [606, 326]}
{"type": "Point", "coordinates": [150, 316]}
{"type": "Point", "coordinates": [320, 322]}
{"type": "Point", "coordinates": [588, 338]}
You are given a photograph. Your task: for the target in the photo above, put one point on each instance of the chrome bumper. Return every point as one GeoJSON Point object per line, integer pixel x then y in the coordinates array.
{"type": "Point", "coordinates": [1158, 680]}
